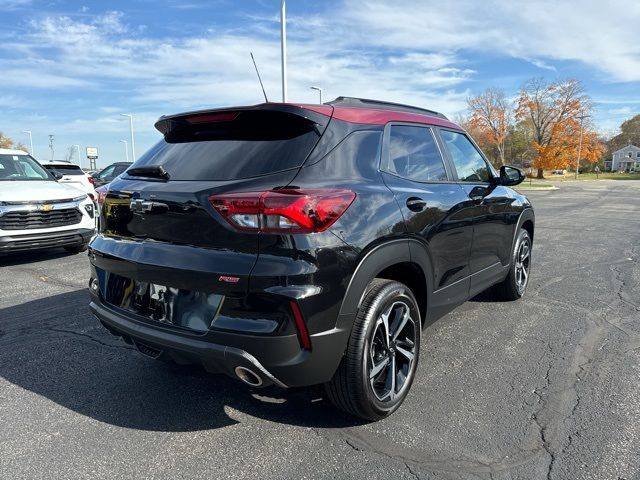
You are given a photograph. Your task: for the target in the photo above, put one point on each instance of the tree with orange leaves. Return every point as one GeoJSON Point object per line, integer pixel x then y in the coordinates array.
{"type": "Point", "coordinates": [490, 116]}
{"type": "Point", "coordinates": [553, 110]}
{"type": "Point", "coordinates": [6, 142]}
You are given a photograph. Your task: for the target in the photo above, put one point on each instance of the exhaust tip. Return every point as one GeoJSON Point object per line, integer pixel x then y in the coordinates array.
{"type": "Point", "coordinates": [248, 376]}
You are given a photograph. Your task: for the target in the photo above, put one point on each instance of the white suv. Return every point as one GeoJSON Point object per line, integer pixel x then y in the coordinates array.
{"type": "Point", "coordinates": [38, 212]}
{"type": "Point", "coordinates": [72, 175]}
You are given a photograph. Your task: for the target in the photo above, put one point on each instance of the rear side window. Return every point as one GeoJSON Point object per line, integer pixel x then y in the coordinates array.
{"type": "Point", "coordinates": [414, 154]}
{"type": "Point", "coordinates": [469, 164]}
{"type": "Point", "coordinates": [65, 169]}
{"type": "Point", "coordinates": [253, 143]}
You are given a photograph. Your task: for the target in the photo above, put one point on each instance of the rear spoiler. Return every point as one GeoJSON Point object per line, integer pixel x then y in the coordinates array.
{"type": "Point", "coordinates": [319, 115]}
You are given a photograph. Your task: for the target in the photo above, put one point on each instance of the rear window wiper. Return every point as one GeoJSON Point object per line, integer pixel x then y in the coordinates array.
{"type": "Point", "coordinates": [150, 171]}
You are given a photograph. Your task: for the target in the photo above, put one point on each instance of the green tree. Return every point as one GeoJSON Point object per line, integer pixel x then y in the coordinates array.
{"type": "Point", "coordinates": [629, 134]}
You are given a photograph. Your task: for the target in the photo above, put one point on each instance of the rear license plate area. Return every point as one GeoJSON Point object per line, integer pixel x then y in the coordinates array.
{"type": "Point", "coordinates": [167, 305]}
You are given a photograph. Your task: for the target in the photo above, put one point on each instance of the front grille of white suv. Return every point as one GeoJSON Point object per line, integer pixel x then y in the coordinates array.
{"type": "Point", "coordinates": [38, 219]}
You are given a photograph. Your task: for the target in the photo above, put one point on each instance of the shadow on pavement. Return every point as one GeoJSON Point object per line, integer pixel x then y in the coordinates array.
{"type": "Point", "coordinates": [34, 256]}
{"type": "Point", "coordinates": [55, 348]}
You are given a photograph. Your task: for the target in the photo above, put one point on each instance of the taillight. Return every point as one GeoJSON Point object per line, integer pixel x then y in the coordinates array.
{"type": "Point", "coordinates": [286, 210]}
{"type": "Point", "coordinates": [212, 117]}
{"type": "Point", "coordinates": [92, 180]}
{"type": "Point", "coordinates": [102, 194]}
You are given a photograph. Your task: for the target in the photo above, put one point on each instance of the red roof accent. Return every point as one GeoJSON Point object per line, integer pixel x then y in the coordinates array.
{"type": "Point", "coordinates": [372, 116]}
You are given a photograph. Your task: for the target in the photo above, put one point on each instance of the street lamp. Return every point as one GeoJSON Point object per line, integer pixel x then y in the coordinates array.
{"type": "Point", "coordinates": [283, 47]}
{"type": "Point", "coordinates": [581, 117]}
{"type": "Point", "coordinates": [319, 92]}
{"type": "Point", "coordinates": [126, 149]}
{"type": "Point", "coordinates": [79, 158]}
{"type": "Point", "coordinates": [133, 142]}
{"type": "Point", "coordinates": [30, 140]}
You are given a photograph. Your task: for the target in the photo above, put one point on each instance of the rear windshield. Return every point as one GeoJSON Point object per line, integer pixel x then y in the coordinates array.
{"type": "Point", "coordinates": [65, 169]}
{"type": "Point", "coordinates": [254, 143]}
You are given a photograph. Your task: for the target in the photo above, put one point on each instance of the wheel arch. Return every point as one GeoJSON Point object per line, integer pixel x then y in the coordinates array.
{"type": "Point", "coordinates": [526, 220]}
{"type": "Point", "coordinates": [403, 260]}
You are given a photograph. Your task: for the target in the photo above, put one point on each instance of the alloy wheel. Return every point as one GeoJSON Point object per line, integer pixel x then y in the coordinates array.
{"type": "Point", "coordinates": [392, 352]}
{"type": "Point", "coordinates": [523, 261]}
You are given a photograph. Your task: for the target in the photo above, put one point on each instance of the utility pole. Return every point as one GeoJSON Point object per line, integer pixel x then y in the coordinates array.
{"type": "Point", "coordinates": [51, 144]}
{"type": "Point", "coordinates": [581, 117]}
{"type": "Point", "coordinates": [283, 47]}
{"type": "Point", "coordinates": [30, 140]}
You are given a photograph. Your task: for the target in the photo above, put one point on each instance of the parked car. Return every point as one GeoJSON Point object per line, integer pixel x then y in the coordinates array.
{"type": "Point", "coordinates": [302, 244]}
{"type": "Point", "coordinates": [73, 175]}
{"type": "Point", "coordinates": [36, 211]}
{"type": "Point", "coordinates": [109, 173]}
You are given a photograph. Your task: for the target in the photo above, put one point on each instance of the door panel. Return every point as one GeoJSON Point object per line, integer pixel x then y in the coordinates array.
{"type": "Point", "coordinates": [493, 213]}
{"type": "Point", "coordinates": [433, 209]}
{"type": "Point", "coordinates": [444, 224]}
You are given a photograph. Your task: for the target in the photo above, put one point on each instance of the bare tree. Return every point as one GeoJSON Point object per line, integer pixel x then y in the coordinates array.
{"type": "Point", "coordinates": [491, 115]}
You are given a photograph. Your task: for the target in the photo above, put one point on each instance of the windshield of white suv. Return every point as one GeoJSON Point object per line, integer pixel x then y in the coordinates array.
{"type": "Point", "coordinates": [21, 167]}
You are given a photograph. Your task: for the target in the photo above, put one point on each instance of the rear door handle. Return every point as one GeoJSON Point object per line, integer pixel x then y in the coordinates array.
{"type": "Point", "coordinates": [416, 204]}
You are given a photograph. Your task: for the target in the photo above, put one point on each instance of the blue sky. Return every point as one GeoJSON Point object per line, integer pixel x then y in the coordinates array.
{"type": "Point", "coordinates": [69, 68]}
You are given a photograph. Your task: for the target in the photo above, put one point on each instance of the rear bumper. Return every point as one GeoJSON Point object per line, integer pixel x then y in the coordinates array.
{"type": "Point", "coordinates": [35, 241]}
{"type": "Point", "coordinates": [277, 360]}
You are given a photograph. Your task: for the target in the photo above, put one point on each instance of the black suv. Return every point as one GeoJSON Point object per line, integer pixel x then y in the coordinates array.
{"type": "Point", "coordinates": [306, 244]}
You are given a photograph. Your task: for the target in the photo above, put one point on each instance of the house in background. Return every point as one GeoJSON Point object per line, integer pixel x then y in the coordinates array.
{"type": "Point", "coordinates": [625, 159]}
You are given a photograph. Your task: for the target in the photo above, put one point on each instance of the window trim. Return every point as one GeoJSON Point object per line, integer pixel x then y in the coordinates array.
{"type": "Point", "coordinates": [492, 172]}
{"type": "Point", "coordinates": [384, 153]}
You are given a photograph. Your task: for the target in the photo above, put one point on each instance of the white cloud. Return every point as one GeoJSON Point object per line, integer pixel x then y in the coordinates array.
{"type": "Point", "coordinates": [539, 32]}
{"type": "Point", "coordinates": [194, 72]}
{"type": "Point", "coordinates": [13, 4]}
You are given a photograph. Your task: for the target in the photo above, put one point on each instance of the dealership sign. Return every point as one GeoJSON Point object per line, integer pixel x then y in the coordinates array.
{"type": "Point", "coordinates": [92, 153]}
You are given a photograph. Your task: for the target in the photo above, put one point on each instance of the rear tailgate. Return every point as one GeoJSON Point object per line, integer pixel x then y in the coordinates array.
{"type": "Point", "coordinates": [165, 231]}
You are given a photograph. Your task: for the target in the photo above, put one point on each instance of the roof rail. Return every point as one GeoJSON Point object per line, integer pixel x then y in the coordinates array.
{"type": "Point", "coordinates": [367, 103]}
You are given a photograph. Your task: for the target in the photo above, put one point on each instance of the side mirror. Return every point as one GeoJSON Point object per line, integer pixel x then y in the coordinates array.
{"type": "Point", "coordinates": [510, 176]}
{"type": "Point", "coordinates": [57, 175]}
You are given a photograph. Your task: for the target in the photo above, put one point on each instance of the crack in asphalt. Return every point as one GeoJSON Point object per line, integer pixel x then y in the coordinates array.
{"type": "Point", "coordinates": [411, 472]}
{"type": "Point", "coordinates": [619, 284]}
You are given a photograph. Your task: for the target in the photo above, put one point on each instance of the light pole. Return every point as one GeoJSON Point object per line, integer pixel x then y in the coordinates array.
{"type": "Point", "coordinates": [319, 92]}
{"type": "Point", "coordinates": [79, 158]}
{"type": "Point", "coordinates": [126, 149]}
{"type": "Point", "coordinates": [581, 117]}
{"type": "Point", "coordinates": [133, 142]}
{"type": "Point", "coordinates": [30, 140]}
{"type": "Point", "coordinates": [283, 47]}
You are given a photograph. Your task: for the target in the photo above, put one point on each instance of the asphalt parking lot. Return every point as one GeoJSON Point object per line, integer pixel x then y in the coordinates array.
{"type": "Point", "coordinates": [546, 387]}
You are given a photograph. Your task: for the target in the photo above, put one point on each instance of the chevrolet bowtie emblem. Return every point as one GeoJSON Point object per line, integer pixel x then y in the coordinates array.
{"type": "Point", "coordinates": [141, 206]}
{"type": "Point", "coordinates": [45, 207]}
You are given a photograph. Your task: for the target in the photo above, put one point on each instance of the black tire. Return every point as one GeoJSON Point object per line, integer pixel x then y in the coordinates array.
{"type": "Point", "coordinates": [356, 388]}
{"type": "Point", "coordinates": [514, 286]}
{"type": "Point", "coordinates": [76, 248]}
